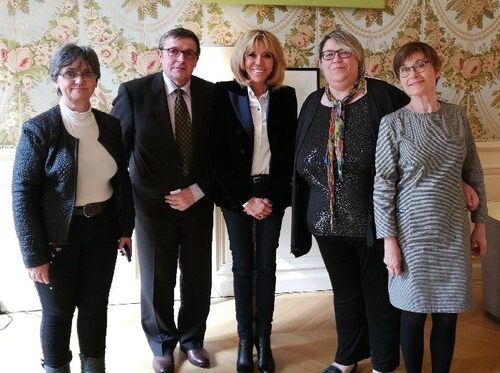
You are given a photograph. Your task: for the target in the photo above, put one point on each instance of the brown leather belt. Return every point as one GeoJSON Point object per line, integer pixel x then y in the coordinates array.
{"type": "Point", "coordinates": [90, 209]}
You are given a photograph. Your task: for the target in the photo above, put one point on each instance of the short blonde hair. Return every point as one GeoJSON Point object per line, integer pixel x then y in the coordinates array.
{"type": "Point", "coordinates": [245, 43]}
{"type": "Point", "coordinates": [349, 41]}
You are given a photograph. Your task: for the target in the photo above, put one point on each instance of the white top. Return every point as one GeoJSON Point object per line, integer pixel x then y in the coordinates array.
{"type": "Point", "coordinates": [261, 149]}
{"type": "Point", "coordinates": [95, 166]}
{"type": "Point", "coordinates": [170, 87]}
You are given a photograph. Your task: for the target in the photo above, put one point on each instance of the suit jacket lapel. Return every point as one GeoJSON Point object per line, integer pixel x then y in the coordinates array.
{"type": "Point", "coordinates": [197, 109]}
{"type": "Point", "coordinates": [160, 105]}
{"type": "Point", "coordinates": [241, 106]}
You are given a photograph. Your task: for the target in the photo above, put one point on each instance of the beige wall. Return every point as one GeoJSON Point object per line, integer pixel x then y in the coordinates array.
{"type": "Point", "coordinates": [489, 152]}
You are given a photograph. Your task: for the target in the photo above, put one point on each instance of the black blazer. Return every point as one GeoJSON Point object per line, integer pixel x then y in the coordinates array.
{"type": "Point", "coordinates": [154, 161]}
{"type": "Point", "coordinates": [383, 98]}
{"type": "Point", "coordinates": [231, 144]}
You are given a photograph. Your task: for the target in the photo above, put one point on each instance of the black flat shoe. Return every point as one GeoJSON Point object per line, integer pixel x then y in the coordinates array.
{"type": "Point", "coordinates": [334, 369]}
{"type": "Point", "coordinates": [244, 362]}
{"type": "Point", "coordinates": [265, 358]}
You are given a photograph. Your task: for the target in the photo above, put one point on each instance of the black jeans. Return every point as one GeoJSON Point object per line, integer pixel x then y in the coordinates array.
{"type": "Point", "coordinates": [367, 324]}
{"type": "Point", "coordinates": [253, 244]}
{"type": "Point", "coordinates": [80, 276]}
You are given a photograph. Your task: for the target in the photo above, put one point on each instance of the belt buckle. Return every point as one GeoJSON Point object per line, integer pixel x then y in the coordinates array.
{"type": "Point", "coordinates": [91, 210]}
{"type": "Point", "coordinates": [256, 179]}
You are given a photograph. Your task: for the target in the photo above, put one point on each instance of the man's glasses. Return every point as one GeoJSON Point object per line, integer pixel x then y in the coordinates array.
{"type": "Point", "coordinates": [330, 54]}
{"type": "Point", "coordinates": [418, 67]}
{"type": "Point", "coordinates": [188, 54]}
{"type": "Point", "coordinates": [73, 75]}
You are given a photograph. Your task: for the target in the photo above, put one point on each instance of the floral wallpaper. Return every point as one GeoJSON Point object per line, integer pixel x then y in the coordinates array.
{"type": "Point", "coordinates": [125, 33]}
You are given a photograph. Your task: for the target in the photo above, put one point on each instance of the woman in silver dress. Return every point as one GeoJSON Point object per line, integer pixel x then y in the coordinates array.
{"type": "Point", "coordinates": [423, 152]}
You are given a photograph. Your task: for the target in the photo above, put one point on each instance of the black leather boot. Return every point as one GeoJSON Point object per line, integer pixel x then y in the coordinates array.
{"type": "Point", "coordinates": [244, 362]}
{"type": "Point", "coordinates": [265, 358]}
{"type": "Point", "coordinates": [62, 369]}
{"type": "Point", "coordinates": [92, 364]}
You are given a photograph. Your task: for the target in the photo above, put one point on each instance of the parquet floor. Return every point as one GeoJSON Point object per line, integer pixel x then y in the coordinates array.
{"type": "Point", "coordinates": [303, 339]}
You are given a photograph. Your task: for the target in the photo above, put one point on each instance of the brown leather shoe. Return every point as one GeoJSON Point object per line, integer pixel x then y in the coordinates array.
{"type": "Point", "coordinates": [199, 357]}
{"type": "Point", "coordinates": [164, 364]}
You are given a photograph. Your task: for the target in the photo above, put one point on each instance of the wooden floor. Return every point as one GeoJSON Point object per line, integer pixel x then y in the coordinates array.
{"type": "Point", "coordinates": [303, 339]}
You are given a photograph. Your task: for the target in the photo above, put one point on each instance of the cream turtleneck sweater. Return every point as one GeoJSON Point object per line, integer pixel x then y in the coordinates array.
{"type": "Point", "coordinates": [95, 165]}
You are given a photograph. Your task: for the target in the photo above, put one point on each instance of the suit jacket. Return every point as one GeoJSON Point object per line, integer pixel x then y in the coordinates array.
{"type": "Point", "coordinates": [383, 99]}
{"type": "Point", "coordinates": [154, 161]}
{"type": "Point", "coordinates": [231, 144]}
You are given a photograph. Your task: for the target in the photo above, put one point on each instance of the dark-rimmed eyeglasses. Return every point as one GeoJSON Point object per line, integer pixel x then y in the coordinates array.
{"type": "Point", "coordinates": [173, 52]}
{"type": "Point", "coordinates": [418, 67]}
{"type": "Point", "coordinates": [329, 55]}
{"type": "Point", "coordinates": [73, 75]}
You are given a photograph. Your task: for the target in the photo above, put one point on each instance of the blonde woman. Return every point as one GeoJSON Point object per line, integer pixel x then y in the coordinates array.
{"type": "Point", "coordinates": [251, 153]}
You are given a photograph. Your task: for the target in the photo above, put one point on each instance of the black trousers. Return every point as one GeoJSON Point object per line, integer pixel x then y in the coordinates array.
{"type": "Point", "coordinates": [367, 324]}
{"type": "Point", "coordinates": [253, 244]}
{"type": "Point", "coordinates": [80, 277]}
{"type": "Point", "coordinates": [165, 241]}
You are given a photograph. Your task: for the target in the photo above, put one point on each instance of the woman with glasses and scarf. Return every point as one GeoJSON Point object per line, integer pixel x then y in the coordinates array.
{"type": "Point", "coordinates": [424, 150]}
{"type": "Point", "coordinates": [332, 200]}
{"type": "Point", "coordinates": [73, 209]}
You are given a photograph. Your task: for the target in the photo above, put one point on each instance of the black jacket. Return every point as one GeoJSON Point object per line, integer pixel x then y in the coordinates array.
{"type": "Point", "coordinates": [155, 163]}
{"type": "Point", "coordinates": [44, 182]}
{"type": "Point", "coordinates": [231, 144]}
{"type": "Point", "coordinates": [383, 98]}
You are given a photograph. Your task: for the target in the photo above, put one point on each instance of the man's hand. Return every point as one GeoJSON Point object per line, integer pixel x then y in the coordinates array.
{"type": "Point", "coordinates": [181, 200]}
{"type": "Point", "coordinates": [40, 273]}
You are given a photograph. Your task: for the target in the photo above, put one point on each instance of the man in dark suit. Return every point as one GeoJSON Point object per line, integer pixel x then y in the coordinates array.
{"type": "Point", "coordinates": [165, 135]}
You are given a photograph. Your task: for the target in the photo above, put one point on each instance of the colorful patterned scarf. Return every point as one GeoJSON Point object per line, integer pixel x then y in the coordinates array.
{"type": "Point", "coordinates": [334, 157]}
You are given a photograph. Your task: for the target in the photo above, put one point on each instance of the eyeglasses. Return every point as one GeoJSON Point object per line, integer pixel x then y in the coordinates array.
{"type": "Point", "coordinates": [73, 75]}
{"type": "Point", "coordinates": [330, 54]}
{"type": "Point", "coordinates": [188, 54]}
{"type": "Point", "coordinates": [418, 67]}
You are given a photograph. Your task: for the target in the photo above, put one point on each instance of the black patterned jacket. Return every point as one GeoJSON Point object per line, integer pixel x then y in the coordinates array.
{"type": "Point", "coordinates": [44, 182]}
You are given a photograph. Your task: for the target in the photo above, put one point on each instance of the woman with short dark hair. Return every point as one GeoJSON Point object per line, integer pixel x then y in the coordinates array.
{"type": "Point", "coordinates": [424, 150]}
{"type": "Point", "coordinates": [73, 208]}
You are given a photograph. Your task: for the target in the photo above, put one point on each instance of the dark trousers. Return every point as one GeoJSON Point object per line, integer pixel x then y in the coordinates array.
{"type": "Point", "coordinates": [182, 238]}
{"type": "Point", "coordinates": [253, 244]}
{"type": "Point", "coordinates": [367, 324]}
{"type": "Point", "coordinates": [442, 340]}
{"type": "Point", "coordinates": [80, 276]}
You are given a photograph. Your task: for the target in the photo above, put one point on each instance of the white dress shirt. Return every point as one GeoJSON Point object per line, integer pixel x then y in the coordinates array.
{"type": "Point", "coordinates": [261, 149]}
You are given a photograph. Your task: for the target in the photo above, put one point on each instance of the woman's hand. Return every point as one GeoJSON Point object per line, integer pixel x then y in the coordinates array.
{"type": "Point", "coordinates": [40, 273]}
{"type": "Point", "coordinates": [392, 256]}
{"type": "Point", "coordinates": [471, 197]}
{"type": "Point", "coordinates": [478, 244]}
{"type": "Point", "coordinates": [259, 208]}
{"type": "Point", "coordinates": [128, 242]}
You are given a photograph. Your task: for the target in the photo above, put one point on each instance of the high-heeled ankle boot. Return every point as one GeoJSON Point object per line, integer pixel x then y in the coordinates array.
{"type": "Point", "coordinates": [265, 358]}
{"type": "Point", "coordinates": [244, 362]}
{"type": "Point", "coordinates": [92, 364]}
